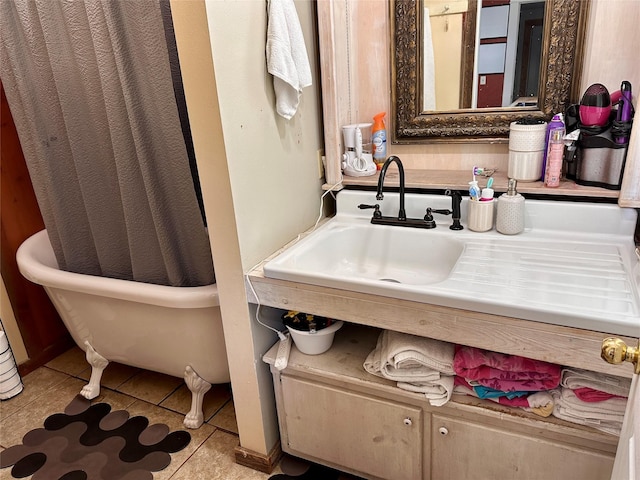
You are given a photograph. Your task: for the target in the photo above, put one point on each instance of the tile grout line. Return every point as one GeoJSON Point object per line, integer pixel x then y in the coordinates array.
{"type": "Point", "coordinates": [36, 398]}
{"type": "Point", "coordinates": [169, 395]}
{"type": "Point", "coordinates": [193, 453]}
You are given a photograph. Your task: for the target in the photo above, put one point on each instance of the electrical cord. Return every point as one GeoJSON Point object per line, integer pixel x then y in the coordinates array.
{"type": "Point", "coordinates": [283, 336]}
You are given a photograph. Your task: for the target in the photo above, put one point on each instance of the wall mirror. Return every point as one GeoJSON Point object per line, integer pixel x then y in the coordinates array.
{"type": "Point", "coordinates": [501, 61]}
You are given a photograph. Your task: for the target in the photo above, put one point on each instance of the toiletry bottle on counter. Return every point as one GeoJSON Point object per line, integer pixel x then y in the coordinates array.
{"type": "Point", "coordinates": [510, 216]}
{"type": "Point", "coordinates": [379, 140]}
{"type": "Point", "coordinates": [556, 123]}
{"type": "Point", "coordinates": [554, 158]}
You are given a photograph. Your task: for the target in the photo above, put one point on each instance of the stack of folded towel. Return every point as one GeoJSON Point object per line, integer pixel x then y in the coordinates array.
{"type": "Point", "coordinates": [417, 364]}
{"type": "Point", "coordinates": [437, 369]}
{"type": "Point", "coordinates": [506, 379]}
{"type": "Point", "coordinates": [591, 398]}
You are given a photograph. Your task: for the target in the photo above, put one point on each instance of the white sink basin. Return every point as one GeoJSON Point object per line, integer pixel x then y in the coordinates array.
{"type": "Point", "coordinates": [364, 252]}
{"type": "Point", "coordinates": [574, 265]}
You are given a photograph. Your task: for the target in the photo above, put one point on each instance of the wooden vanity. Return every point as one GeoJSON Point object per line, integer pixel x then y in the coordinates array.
{"type": "Point", "coordinates": [333, 412]}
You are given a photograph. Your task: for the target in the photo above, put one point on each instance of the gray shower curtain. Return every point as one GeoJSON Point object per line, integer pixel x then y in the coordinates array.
{"type": "Point", "coordinates": [89, 85]}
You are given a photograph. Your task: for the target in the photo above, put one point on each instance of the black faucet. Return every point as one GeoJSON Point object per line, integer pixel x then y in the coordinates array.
{"type": "Point", "coordinates": [401, 220]}
{"type": "Point", "coordinates": [380, 196]}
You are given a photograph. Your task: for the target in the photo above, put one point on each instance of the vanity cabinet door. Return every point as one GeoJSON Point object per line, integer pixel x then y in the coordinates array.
{"type": "Point", "coordinates": [363, 433]}
{"type": "Point", "coordinates": [463, 449]}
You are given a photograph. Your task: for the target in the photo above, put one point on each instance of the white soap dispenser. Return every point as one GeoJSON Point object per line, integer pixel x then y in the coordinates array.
{"type": "Point", "coordinates": [510, 216]}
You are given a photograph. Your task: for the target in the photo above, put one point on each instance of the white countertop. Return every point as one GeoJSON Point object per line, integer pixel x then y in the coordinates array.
{"type": "Point", "coordinates": [574, 265]}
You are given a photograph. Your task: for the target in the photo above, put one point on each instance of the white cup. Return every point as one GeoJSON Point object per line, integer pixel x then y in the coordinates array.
{"type": "Point", "coordinates": [526, 151]}
{"type": "Point", "coordinates": [525, 166]}
{"type": "Point", "coordinates": [480, 215]}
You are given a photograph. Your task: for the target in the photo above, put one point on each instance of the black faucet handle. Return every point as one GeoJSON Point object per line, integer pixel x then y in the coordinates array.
{"type": "Point", "coordinates": [376, 209]}
{"type": "Point", "coordinates": [428, 218]}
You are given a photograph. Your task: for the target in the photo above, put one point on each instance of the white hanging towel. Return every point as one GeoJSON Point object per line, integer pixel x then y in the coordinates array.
{"type": "Point", "coordinates": [287, 57]}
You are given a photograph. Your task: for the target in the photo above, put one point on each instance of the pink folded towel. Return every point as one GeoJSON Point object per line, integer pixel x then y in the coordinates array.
{"type": "Point", "coordinates": [504, 372]}
{"type": "Point", "coordinates": [587, 394]}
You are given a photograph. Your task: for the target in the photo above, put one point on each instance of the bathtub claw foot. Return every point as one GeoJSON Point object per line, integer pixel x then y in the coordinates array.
{"type": "Point", "coordinates": [198, 387]}
{"type": "Point", "coordinates": [98, 363]}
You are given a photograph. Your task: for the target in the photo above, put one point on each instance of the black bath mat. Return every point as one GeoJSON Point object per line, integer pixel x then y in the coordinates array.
{"type": "Point", "coordinates": [298, 469]}
{"type": "Point", "coordinates": [91, 442]}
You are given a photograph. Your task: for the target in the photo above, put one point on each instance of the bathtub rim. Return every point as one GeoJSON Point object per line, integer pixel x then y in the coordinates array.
{"type": "Point", "coordinates": [37, 263]}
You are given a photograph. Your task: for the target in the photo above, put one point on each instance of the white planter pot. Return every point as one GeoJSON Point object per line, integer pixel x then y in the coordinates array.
{"type": "Point", "coordinates": [315, 343]}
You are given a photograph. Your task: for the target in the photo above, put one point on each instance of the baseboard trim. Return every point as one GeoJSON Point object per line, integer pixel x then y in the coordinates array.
{"type": "Point", "coordinates": [258, 461]}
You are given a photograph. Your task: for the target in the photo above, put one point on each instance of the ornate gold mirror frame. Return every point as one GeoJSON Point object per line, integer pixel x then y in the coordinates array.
{"type": "Point", "coordinates": [561, 65]}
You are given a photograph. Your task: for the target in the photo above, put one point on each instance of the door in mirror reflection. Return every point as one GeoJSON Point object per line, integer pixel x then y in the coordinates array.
{"type": "Point", "coordinates": [528, 55]}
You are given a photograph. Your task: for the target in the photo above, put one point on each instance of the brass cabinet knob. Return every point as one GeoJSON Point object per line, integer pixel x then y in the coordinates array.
{"type": "Point", "coordinates": [615, 351]}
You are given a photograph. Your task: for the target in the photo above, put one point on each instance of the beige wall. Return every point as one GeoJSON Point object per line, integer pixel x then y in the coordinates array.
{"type": "Point", "coordinates": [613, 45]}
{"type": "Point", "coordinates": [272, 161]}
{"type": "Point", "coordinates": [259, 176]}
{"type": "Point", "coordinates": [273, 172]}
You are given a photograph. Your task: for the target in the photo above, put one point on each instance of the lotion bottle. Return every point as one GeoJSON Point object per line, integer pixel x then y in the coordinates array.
{"type": "Point", "coordinates": [556, 123]}
{"type": "Point", "coordinates": [554, 158]}
{"type": "Point", "coordinates": [379, 140]}
{"type": "Point", "coordinates": [510, 216]}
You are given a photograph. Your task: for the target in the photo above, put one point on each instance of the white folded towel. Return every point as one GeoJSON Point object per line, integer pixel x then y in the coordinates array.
{"type": "Point", "coordinates": [403, 350]}
{"type": "Point", "coordinates": [417, 364]}
{"type": "Point", "coordinates": [377, 363]}
{"type": "Point", "coordinates": [574, 378]}
{"type": "Point", "coordinates": [287, 57]}
{"type": "Point", "coordinates": [606, 416]}
{"type": "Point", "coordinates": [437, 392]}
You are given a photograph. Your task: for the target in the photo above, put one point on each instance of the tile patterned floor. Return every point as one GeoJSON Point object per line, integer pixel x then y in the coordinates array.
{"type": "Point", "coordinates": [160, 398]}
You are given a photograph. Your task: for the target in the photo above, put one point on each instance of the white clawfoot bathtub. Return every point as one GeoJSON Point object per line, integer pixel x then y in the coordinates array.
{"type": "Point", "coordinates": [171, 330]}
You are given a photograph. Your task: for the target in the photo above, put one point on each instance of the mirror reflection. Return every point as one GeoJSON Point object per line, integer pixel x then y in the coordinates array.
{"type": "Point", "coordinates": [481, 53]}
{"type": "Point", "coordinates": [558, 66]}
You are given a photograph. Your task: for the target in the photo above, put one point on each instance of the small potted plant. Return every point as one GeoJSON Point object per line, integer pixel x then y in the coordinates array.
{"type": "Point", "coordinates": [311, 334]}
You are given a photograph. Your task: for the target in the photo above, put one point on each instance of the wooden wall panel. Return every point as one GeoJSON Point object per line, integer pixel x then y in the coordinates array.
{"type": "Point", "coordinates": [43, 333]}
